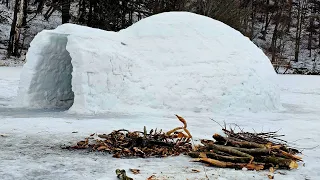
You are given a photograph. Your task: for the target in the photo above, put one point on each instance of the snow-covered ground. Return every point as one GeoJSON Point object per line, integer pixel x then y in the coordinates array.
{"type": "Point", "coordinates": [31, 149]}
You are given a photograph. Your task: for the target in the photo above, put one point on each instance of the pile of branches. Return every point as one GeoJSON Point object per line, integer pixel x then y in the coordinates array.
{"type": "Point", "coordinates": [123, 143]}
{"type": "Point", "coordinates": [253, 151]}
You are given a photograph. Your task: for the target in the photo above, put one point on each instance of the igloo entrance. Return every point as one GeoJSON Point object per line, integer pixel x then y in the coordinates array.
{"type": "Point", "coordinates": [51, 81]}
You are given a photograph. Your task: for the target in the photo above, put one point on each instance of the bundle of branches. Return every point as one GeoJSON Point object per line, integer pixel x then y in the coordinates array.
{"type": "Point", "coordinates": [123, 143]}
{"type": "Point", "coordinates": [254, 151]}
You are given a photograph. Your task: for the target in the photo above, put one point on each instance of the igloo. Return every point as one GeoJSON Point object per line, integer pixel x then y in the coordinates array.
{"type": "Point", "coordinates": [170, 62]}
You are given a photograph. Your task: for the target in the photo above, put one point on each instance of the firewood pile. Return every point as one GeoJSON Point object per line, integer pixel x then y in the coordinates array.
{"type": "Point", "coordinates": [253, 151]}
{"type": "Point", "coordinates": [153, 143]}
{"type": "Point", "coordinates": [237, 150]}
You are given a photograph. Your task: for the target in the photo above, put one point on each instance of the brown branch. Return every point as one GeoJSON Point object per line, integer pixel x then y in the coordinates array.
{"type": "Point", "coordinates": [216, 156]}
{"type": "Point", "coordinates": [230, 150]}
{"type": "Point", "coordinates": [222, 164]}
{"type": "Point", "coordinates": [281, 162]}
{"type": "Point", "coordinates": [245, 144]}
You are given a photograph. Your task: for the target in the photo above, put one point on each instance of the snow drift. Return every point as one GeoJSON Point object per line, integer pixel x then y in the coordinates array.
{"type": "Point", "coordinates": [174, 61]}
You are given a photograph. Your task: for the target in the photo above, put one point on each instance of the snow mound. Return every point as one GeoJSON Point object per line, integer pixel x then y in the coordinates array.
{"type": "Point", "coordinates": [174, 61]}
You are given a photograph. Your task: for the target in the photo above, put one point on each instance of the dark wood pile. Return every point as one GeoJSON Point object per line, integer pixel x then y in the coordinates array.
{"type": "Point", "coordinates": [254, 151]}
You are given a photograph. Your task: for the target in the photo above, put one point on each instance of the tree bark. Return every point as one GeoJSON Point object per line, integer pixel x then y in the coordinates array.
{"type": "Point", "coordinates": [89, 22]}
{"type": "Point", "coordinates": [310, 36]}
{"type": "Point", "coordinates": [298, 31]}
{"type": "Point", "coordinates": [266, 21]}
{"type": "Point", "coordinates": [253, 15]}
{"type": "Point", "coordinates": [24, 18]}
{"type": "Point", "coordinates": [274, 42]}
{"type": "Point", "coordinates": [12, 39]}
{"type": "Point", "coordinates": [290, 15]}
{"type": "Point", "coordinates": [40, 6]}
{"type": "Point", "coordinates": [82, 11]}
{"type": "Point", "coordinates": [65, 11]}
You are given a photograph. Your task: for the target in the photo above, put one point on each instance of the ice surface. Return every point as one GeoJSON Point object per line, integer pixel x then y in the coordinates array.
{"type": "Point", "coordinates": [170, 62]}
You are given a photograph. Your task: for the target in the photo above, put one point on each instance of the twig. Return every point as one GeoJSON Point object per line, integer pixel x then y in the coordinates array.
{"type": "Point", "coordinates": [217, 123]}
{"type": "Point", "coordinates": [310, 147]}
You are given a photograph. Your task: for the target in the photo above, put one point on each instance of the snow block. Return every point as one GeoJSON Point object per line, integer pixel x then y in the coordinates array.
{"type": "Point", "coordinates": [170, 62]}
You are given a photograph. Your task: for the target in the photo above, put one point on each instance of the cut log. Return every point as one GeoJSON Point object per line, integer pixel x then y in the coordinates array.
{"type": "Point", "coordinates": [244, 144]}
{"type": "Point", "coordinates": [216, 156]}
{"type": "Point", "coordinates": [213, 162]}
{"type": "Point", "coordinates": [281, 162]}
{"type": "Point", "coordinates": [231, 150]}
{"type": "Point", "coordinates": [254, 151]}
{"type": "Point", "coordinates": [290, 156]}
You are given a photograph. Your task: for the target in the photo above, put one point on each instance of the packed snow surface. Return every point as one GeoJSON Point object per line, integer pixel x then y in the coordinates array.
{"type": "Point", "coordinates": [174, 61]}
{"type": "Point", "coordinates": [32, 150]}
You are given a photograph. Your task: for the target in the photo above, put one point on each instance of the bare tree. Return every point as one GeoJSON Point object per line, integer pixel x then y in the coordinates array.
{"type": "Point", "coordinates": [65, 11]}
{"type": "Point", "coordinates": [300, 18]}
{"type": "Point", "coordinates": [24, 12]}
{"type": "Point", "coordinates": [14, 33]}
{"type": "Point", "coordinates": [267, 19]}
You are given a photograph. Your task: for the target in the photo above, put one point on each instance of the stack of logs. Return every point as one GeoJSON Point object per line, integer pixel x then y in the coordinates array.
{"type": "Point", "coordinates": [253, 151]}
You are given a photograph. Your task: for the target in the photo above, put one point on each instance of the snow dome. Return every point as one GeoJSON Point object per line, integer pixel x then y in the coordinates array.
{"type": "Point", "coordinates": [170, 62]}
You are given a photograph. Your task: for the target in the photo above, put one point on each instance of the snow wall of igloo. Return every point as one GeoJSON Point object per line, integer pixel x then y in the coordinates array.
{"type": "Point", "coordinates": [174, 61]}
